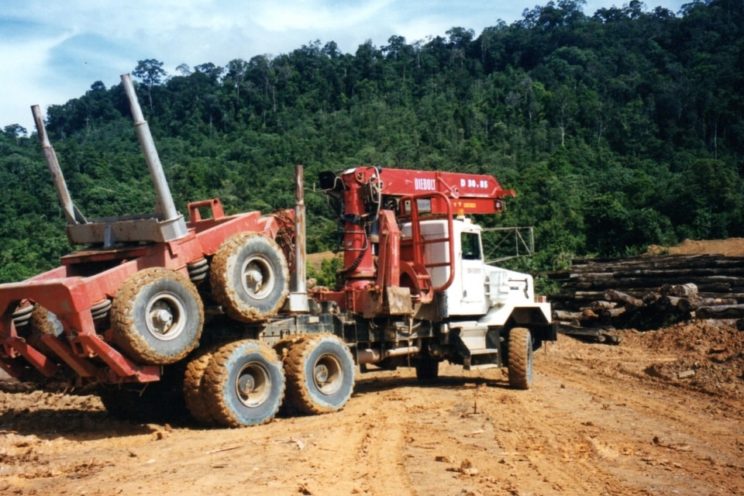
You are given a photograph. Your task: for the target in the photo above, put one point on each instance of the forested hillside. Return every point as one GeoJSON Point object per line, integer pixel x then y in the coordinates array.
{"type": "Point", "coordinates": [618, 129]}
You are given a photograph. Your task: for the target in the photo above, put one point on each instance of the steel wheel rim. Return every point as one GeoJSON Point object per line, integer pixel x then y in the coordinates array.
{"type": "Point", "coordinates": [257, 277]}
{"type": "Point", "coordinates": [328, 376]}
{"type": "Point", "coordinates": [253, 384]}
{"type": "Point", "coordinates": [165, 316]}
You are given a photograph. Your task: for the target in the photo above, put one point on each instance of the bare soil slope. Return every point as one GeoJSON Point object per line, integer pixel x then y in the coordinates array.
{"type": "Point", "coordinates": [731, 247]}
{"type": "Point", "coordinates": [625, 420]}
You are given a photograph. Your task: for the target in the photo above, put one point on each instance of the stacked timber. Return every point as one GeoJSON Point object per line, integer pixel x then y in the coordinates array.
{"type": "Point", "coordinates": [648, 292]}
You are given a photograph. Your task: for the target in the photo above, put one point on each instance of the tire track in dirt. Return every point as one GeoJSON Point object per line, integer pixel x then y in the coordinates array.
{"type": "Point", "coordinates": [650, 451]}
{"type": "Point", "coordinates": [661, 408]}
{"type": "Point", "coordinates": [533, 441]}
{"type": "Point", "coordinates": [329, 446]}
{"type": "Point", "coordinates": [651, 434]}
{"type": "Point", "coordinates": [380, 459]}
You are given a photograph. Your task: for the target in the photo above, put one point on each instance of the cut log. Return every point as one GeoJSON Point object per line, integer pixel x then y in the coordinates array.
{"type": "Point", "coordinates": [651, 297]}
{"type": "Point", "coordinates": [694, 272]}
{"type": "Point", "coordinates": [670, 262]}
{"type": "Point", "coordinates": [710, 302]}
{"type": "Point", "coordinates": [566, 316]}
{"type": "Point", "coordinates": [588, 313]}
{"type": "Point", "coordinates": [681, 304]}
{"type": "Point", "coordinates": [624, 298]}
{"type": "Point", "coordinates": [602, 305]}
{"type": "Point", "coordinates": [688, 290]}
{"type": "Point", "coordinates": [720, 283]}
{"type": "Point", "coordinates": [735, 296]}
{"type": "Point", "coordinates": [721, 312]}
{"type": "Point", "coordinates": [608, 314]}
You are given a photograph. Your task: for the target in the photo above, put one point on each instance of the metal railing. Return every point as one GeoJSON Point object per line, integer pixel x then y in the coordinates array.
{"type": "Point", "coordinates": [505, 243]}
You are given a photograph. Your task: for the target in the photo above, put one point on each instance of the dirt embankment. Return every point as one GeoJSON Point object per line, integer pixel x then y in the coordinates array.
{"type": "Point", "coordinates": [624, 420]}
{"type": "Point", "coordinates": [731, 247]}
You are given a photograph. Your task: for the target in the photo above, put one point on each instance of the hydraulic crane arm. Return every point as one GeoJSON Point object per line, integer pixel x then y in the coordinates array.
{"type": "Point", "coordinates": [468, 193]}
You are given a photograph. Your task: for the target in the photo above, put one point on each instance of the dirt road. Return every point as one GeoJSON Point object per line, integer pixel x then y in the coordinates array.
{"type": "Point", "coordinates": [600, 420]}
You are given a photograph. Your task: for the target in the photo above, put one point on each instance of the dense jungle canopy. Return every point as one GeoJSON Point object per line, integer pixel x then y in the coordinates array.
{"type": "Point", "coordinates": [618, 128]}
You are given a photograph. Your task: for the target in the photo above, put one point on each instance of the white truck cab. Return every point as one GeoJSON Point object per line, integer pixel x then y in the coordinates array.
{"type": "Point", "coordinates": [480, 291]}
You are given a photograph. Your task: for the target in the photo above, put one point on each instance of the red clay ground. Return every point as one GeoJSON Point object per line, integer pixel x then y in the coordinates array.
{"type": "Point", "coordinates": [731, 247]}
{"type": "Point", "coordinates": [615, 420]}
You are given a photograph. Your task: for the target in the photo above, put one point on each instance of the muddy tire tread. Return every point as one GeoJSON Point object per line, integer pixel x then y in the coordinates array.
{"type": "Point", "coordinates": [298, 399]}
{"type": "Point", "coordinates": [219, 281]}
{"type": "Point", "coordinates": [215, 376]}
{"type": "Point", "coordinates": [519, 362]}
{"type": "Point", "coordinates": [122, 317]}
{"type": "Point", "coordinates": [193, 390]}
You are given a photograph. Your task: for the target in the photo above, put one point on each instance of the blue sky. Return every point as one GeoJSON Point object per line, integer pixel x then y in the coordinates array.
{"type": "Point", "coordinates": [53, 50]}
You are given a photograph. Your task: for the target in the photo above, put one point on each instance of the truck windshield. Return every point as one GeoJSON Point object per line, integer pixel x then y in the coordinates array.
{"type": "Point", "coordinates": [471, 249]}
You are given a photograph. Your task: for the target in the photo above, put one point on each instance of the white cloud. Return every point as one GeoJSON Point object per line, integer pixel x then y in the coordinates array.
{"type": "Point", "coordinates": [22, 78]}
{"type": "Point", "coordinates": [316, 14]}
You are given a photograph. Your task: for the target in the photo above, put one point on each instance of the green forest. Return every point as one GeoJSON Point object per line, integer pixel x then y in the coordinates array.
{"type": "Point", "coordinates": [617, 128]}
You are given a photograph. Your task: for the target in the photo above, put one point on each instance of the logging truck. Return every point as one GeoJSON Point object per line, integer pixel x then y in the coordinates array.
{"type": "Point", "coordinates": [213, 313]}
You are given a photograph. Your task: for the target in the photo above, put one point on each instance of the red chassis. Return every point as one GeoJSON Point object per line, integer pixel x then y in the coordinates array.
{"type": "Point", "coordinates": [86, 280]}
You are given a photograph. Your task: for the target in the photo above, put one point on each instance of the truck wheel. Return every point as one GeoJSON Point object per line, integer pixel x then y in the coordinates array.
{"type": "Point", "coordinates": [427, 369]}
{"type": "Point", "coordinates": [157, 316]}
{"type": "Point", "coordinates": [243, 384]}
{"type": "Point", "coordinates": [520, 358]}
{"type": "Point", "coordinates": [193, 390]}
{"type": "Point", "coordinates": [320, 374]}
{"type": "Point", "coordinates": [43, 322]}
{"type": "Point", "coordinates": [249, 277]}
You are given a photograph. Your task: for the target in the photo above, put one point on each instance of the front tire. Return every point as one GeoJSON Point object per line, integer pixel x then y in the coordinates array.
{"type": "Point", "coordinates": [157, 316]}
{"type": "Point", "coordinates": [320, 374]}
{"type": "Point", "coordinates": [243, 384]}
{"type": "Point", "coordinates": [520, 358]}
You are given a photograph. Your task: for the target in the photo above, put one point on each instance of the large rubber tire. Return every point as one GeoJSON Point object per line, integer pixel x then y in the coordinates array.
{"type": "Point", "coordinates": [427, 369]}
{"type": "Point", "coordinates": [157, 316]}
{"type": "Point", "coordinates": [43, 322]}
{"type": "Point", "coordinates": [193, 388]}
{"type": "Point", "coordinates": [320, 374]}
{"type": "Point", "coordinates": [520, 358]}
{"type": "Point", "coordinates": [249, 277]}
{"type": "Point", "coordinates": [244, 384]}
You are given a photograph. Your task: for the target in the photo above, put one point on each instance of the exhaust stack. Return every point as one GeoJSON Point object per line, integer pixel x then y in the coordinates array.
{"type": "Point", "coordinates": [298, 285]}
{"type": "Point", "coordinates": [165, 208]}
{"type": "Point", "coordinates": [72, 214]}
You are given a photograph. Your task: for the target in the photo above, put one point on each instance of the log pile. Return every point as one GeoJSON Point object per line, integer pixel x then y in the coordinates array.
{"type": "Point", "coordinates": [649, 292]}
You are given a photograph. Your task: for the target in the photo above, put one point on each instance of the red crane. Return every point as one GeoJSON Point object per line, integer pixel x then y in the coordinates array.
{"type": "Point", "coordinates": [372, 203]}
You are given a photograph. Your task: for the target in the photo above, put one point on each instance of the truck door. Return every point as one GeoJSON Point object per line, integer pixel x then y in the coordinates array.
{"type": "Point", "coordinates": [473, 273]}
